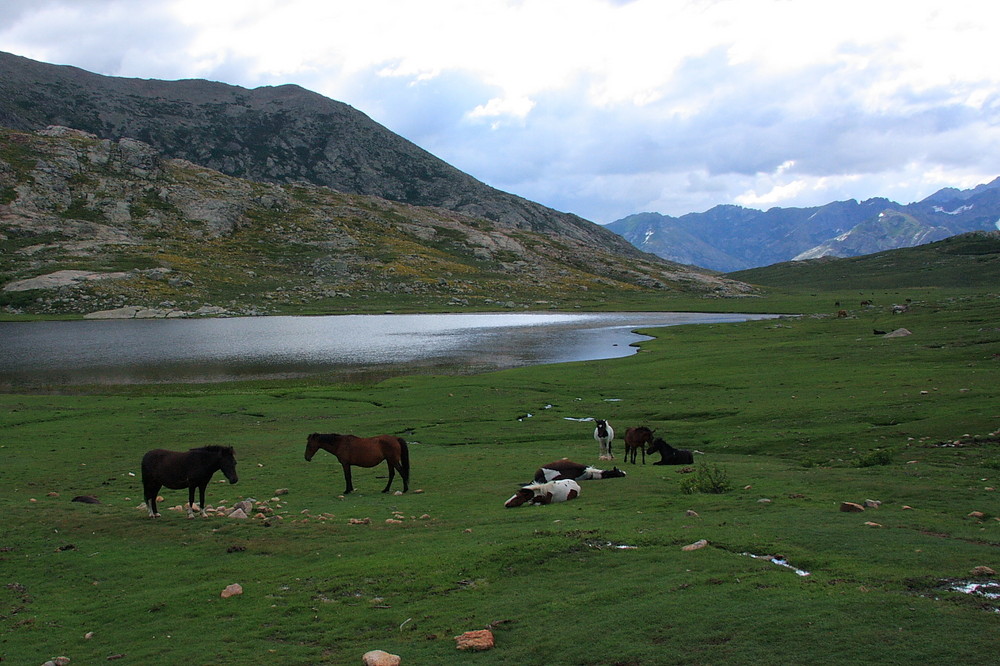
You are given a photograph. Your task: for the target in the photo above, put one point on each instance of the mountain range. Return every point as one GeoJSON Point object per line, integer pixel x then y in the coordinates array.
{"type": "Point", "coordinates": [279, 134]}
{"type": "Point", "coordinates": [729, 238]}
{"type": "Point", "coordinates": [172, 197]}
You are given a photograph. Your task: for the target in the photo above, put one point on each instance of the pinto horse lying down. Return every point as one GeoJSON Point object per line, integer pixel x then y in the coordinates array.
{"type": "Point", "coordinates": [670, 455]}
{"type": "Point", "coordinates": [562, 490]}
{"type": "Point", "coordinates": [567, 469]}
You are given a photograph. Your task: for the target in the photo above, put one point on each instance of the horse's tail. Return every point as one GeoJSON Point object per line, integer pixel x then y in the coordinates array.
{"type": "Point", "coordinates": [404, 460]}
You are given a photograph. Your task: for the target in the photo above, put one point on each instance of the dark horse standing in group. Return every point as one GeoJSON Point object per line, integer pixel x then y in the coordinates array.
{"type": "Point", "coordinates": [635, 439]}
{"type": "Point", "coordinates": [185, 469]}
{"type": "Point", "coordinates": [364, 452]}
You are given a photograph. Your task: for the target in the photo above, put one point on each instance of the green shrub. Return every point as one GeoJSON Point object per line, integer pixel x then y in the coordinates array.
{"type": "Point", "coordinates": [874, 458]}
{"type": "Point", "coordinates": [707, 479]}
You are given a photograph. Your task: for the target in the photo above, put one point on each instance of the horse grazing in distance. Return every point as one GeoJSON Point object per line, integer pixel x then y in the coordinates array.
{"type": "Point", "coordinates": [567, 469]}
{"type": "Point", "coordinates": [185, 469]}
{"type": "Point", "coordinates": [562, 490]}
{"type": "Point", "coordinates": [364, 452]}
{"type": "Point", "coordinates": [604, 433]}
{"type": "Point", "coordinates": [635, 438]}
{"type": "Point", "coordinates": [668, 454]}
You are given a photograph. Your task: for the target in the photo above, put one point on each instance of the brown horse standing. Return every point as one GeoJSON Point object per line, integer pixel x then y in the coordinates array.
{"type": "Point", "coordinates": [634, 439]}
{"type": "Point", "coordinates": [364, 452]}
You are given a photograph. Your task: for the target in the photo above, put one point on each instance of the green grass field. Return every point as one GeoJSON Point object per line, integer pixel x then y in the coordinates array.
{"type": "Point", "coordinates": [800, 413]}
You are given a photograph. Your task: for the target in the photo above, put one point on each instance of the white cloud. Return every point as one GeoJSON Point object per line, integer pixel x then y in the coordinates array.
{"type": "Point", "coordinates": [599, 107]}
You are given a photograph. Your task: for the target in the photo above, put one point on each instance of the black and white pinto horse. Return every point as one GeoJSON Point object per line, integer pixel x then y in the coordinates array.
{"type": "Point", "coordinates": [567, 469]}
{"type": "Point", "coordinates": [669, 455]}
{"type": "Point", "coordinates": [562, 490]}
{"type": "Point", "coordinates": [604, 433]}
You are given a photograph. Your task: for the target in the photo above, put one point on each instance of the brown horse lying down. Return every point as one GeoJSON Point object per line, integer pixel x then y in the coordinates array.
{"type": "Point", "coordinates": [567, 469]}
{"type": "Point", "coordinates": [364, 452]}
{"type": "Point", "coordinates": [669, 455]}
{"type": "Point", "coordinates": [562, 490]}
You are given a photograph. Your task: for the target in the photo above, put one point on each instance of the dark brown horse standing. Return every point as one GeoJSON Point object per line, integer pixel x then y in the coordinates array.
{"type": "Point", "coordinates": [364, 452]}
{"type": "Point", "coordinates": [634, 440]}
{"type": "Point", "coordinates": [185, 469]}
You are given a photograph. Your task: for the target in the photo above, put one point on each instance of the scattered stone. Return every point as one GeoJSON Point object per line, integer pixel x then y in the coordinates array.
{"type": "Point", "coordinates": [481, 639]}
{"type": "Point", "coordinates": [281, 491]}
{"type": "Point", "coordinates": [360, 521]}
{"type": "Point", "coordinates": [88, 635]}
{"type": "Point", "coordinates": [982, 571]}
{"type": "Point", "coordinates": [907, 507]}
{"type": "Point", "coordinates": [232, 590]}
{"type": "Point", "coordinates": [871, 524]}
{"type": "Point", "coordinates": [978, 515]}
{"type": "Point", "coordinates": [380, 658]}
{"type": "Point", "coordinates": [238, 514]}
{"type": "Point", "coordinates": [691, 513]}
{"type": "Point", "coordinates": [898, 333]}
{"type": "Point", "coordinates": [851, 507]}
{"type": "Point", "coordinates": [426, 516]}
{"type": "Point", "coordinates": [764, 501]}
{"type": "Point", "coordinates": [872, 504]}
{"type": "Point", "coordinates": [696, 545]}
{"type": "Point", "coordinates": [393, 521]}
{"type": "Point", "coordinates": [55, 494]}
{"type": "Point", "coordinates": [58, 661]}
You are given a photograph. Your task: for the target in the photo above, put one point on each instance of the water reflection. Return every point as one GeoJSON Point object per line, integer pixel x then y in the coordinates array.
{"type": "Point", "coordinates": [196, 350]}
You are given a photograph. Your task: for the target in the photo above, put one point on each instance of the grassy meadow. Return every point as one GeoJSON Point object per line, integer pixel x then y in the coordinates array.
{"type": "Point", "coordinates": [799, 414]}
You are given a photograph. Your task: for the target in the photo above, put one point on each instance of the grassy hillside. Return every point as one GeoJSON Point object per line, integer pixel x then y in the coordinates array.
{"type": "Point", "coordinates": [800, 415]}
{"type": "Point", "coordinates": [964, 261]}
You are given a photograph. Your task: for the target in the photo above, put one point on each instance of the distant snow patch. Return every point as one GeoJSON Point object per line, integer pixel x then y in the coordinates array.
{"type": "Point", "coordinates": [957, 211]}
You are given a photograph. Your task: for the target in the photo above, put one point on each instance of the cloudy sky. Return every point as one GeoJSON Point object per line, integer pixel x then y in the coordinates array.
{"type": "Point", "coordinates": [602, 108]}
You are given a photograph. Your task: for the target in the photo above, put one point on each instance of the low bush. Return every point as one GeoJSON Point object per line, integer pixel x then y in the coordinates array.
{"type": "Point", "coordinates": [711, 479]}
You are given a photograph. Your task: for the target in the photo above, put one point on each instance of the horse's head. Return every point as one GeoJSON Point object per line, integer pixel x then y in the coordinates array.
{"type": "Point", "coordinates": [657, 444]}
{"type": "Point", "coordinates": [613, 473]}
{"type": "Point", "coordinates": [312, 445]}
{"type": "Point", "coordinates": [227, 464]}
{"type": "Point", "coordinates": [520, 497]}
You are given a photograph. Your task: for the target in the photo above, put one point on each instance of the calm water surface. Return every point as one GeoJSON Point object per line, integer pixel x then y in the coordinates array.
{"type": "Point", "coordinates": [345, 346]}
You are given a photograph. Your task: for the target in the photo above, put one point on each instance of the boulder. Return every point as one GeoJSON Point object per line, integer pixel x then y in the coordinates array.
{"type": "Point", "coordinates": [232, 590]}
{"type": "Point", "coordinates": [380, 658]}
{"type": "Point", "coordinates": [851, 507]}
{"type": "Point", "coordinates": [701, 543]}
{"type": "Point", "coordinates": [481, 639]}
{"type": "Point", "coordinates": [982, 571]}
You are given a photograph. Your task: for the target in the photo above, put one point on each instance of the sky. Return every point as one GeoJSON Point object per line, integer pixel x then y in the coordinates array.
{"type": "Point", "coordinates": [602, 108]}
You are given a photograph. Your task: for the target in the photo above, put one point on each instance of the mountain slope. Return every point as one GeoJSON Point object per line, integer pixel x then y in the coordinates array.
{"type": "Point", "coordinates": [965, 260]}
{"type": "Point", "coordinates": [283, 134]}
{"type": "Point", "coordinates": [90, 225]}
{"type": "Point", "coordinates": [731, 238]}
